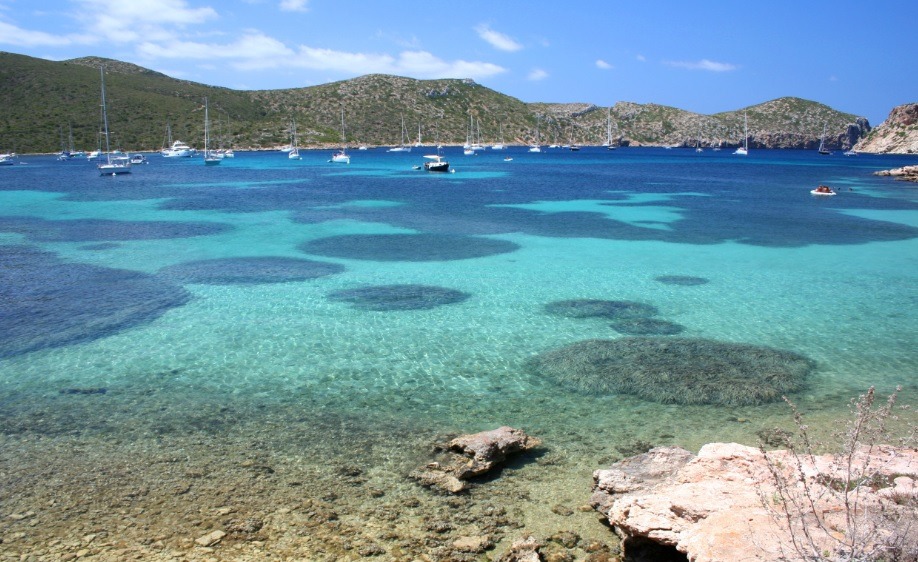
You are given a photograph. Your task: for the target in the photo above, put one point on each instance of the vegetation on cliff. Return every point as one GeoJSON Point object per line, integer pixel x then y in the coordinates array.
{"type": "Point", "coordinates": [47, 100]}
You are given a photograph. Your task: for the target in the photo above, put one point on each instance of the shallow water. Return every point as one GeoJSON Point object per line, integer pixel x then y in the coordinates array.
{"type": "Point", "coordinates": [144, 314]}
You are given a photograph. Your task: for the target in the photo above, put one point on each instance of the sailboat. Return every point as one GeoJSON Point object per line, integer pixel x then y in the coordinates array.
{"type": "Point", "coordinates": [211, 157]}
{"type": "Point", "coordinates": [341, 156]}
{"type": "Point", "coordinates": [467, 147]}
{"type": "Point", "coordinates": [402, 147]}
{"type": "Point", "coordinates": [698, 143]}
{"type": "Point", "coordinates": [418, 143]}
{"type": "Point", "coordinates": [113, 166]}
{"type": "Point", "coordinates": [744, 150]}
{"type": "Point", "coordinates": [609, 145]}
{"type": "Point", "coordinates": [500, 143]}
{"type": "Point", "coordinates": [535, 147]}
{"type": "Point", "coordinates": [822, 141]}
{"type": "Point", "coordinates": [294, 152]}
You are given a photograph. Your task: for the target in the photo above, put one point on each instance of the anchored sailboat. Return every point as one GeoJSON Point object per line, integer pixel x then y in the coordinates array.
{"type": "Point", "coordinates": [119, 164]}
{"type": "Point", "coordinates": [744, 150]}
{"type": "Point", "coordinates": [341, 157]}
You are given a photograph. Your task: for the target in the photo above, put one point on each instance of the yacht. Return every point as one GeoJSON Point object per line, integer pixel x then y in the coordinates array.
{"type": "Point", "coordinates": [178, 149]}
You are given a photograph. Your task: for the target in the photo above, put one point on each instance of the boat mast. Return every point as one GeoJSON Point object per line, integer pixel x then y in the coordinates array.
{"type": "Point", "coordinates": [105, 116]}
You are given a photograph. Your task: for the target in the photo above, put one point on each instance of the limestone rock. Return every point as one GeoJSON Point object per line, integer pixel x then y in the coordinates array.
{"type": "Point", "coordinates": [210, 539]}
{"type": "Point", "coordinates": [898, 134]}
{"type": "Point", "coordinates": [715, 506]}
{"type": "Point", "coordinates": [905, 173]}
{"type": "Point", "coordinates": [469, 456]}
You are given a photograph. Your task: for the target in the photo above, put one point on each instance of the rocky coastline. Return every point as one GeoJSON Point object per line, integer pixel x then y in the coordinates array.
{"type": "Point", "coordinates": [898, 134]}
{"type": "Point", "coordinates": [905, 173]}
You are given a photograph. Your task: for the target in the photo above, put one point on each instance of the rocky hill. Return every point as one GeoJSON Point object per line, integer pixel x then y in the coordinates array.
{"type": "Point", "coordinates": [898, 134]}
{"type": "Point", "coordinates": [47, 101]}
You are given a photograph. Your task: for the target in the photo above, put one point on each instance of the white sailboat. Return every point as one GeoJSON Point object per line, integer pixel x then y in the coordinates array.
{"type": "Point", "coordinates": [418, 143]}
{"type": "Point", "coordinates": [500, 143]}
{"type": "Point", "coordinates": [403, 147]}
{"type": "Point", "coordinates": [341, 157]}
{"type": "Point", "coordinates": [535, 147]}
{"type": "Point", "coordinates": [294, 152]}
{"type": "Point", "coordinates": [744, 150]}
{"type": "Point", "coordinates": [609, 145]}
{"type": "Point", "coordinates": [113, 165]}
{"type": "Point", "coordinates": [211, 157]}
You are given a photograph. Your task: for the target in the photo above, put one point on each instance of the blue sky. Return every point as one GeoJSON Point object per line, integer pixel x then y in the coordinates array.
{"type": "Point", "coordinates": [855, 56]}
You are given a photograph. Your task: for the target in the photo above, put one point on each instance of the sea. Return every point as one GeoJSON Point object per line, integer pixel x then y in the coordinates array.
{"type": "Point", "coordinates": [280, 328]}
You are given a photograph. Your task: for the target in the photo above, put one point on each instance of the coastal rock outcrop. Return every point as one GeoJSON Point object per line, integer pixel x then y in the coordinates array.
{"type": "Point", "coordinates": [733, 502]}
{"type": "Point", "coordinates": [472, 455]}
{"type": "Point", "coordinates": [905, 173]}
{"type": "Point", "coordinates": [898, 134]}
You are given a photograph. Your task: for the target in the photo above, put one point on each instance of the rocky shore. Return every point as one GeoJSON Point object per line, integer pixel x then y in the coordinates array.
{"type": "Point", "coordinates": [905, 173]}
{"type": "Point", "coordinates": [732, 502]}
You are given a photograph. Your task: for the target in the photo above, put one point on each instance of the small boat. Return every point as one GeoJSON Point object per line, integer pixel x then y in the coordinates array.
{"type": "Point", "coordinates": [341, 157]}
{"type": "Point", "coordinates": [851, 152]}
{"type": "Point", "coordinates": [436, 163]}
{"type": "Point", "coordinates": [115, 164]}
{"type": "Point", "coordinates": [7, 159]}
{"type": "Point", "coordinates": [823, 190]}
{"type": "Point", "coordinates": [138, 159]}
{"type": "Point", "coordinates": [508, 159]}
{"type": "Point", "coordinates": [744, 150]}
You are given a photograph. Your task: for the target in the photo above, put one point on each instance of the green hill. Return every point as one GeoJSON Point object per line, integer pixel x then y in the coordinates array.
{"type": "Point", "coordinates": [44, 100]}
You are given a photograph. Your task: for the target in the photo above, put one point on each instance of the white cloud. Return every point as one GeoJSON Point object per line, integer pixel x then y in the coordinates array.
{"type": "Point", "coordinates": [641, 58]}
{"type": "Point", "coordinates": [139, 20]}
{"type": "Point", "coordinates": [294, 5]}
{"type": "Point", "coordinates": [12, 35]}
{"type": "Point", "coordinates": [703, 64]}
{"type": "Point", "coordinates": [603, 64]}
{"type": "Point", "coordinates": [420, 64]}
{"type": "Point", "coordinates": [537, 74]}
{"type": "Point", "coordinates": [497, 40]}
{"type": "Point", "coordinates": [252, 51]}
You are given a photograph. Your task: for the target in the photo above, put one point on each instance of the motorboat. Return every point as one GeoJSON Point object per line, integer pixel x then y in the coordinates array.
{"type": "Point", "coordinates": [178, 149]}
{"type": "Point", "coordinates": [823, 190]}
{"type": "Point", "coordinates": [138, 159]}
{"type": "Point", "coordinates": [436, 163]}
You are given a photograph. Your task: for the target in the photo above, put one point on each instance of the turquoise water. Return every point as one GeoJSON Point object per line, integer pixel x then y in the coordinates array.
{"type": "Point", "coordinates": [832, 279]}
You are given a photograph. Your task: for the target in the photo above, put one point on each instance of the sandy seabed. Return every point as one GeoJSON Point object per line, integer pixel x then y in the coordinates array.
{"type": "Point", "coordinates": [286, 486]}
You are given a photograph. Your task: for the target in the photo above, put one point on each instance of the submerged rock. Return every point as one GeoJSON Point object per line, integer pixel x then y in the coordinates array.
{"type": "Point", "coordinates": [472, 455]}
{"type": "Point", "coordinates": [676, 370]}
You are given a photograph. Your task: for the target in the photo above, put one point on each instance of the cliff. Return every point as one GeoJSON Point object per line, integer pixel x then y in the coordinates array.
{"type": "Point", "coordinates": [897, 135]}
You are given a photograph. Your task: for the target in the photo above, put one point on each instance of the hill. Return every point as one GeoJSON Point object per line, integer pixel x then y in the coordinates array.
{"type": "Point", "coordinates": [46, 100]}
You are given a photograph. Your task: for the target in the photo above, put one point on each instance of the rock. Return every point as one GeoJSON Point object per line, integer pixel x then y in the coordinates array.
{"type": "Point", "coordinates": [474, 544]}
{"type": "Point", "coordinates": [712, 507]}
{"type": "Point", "coordinates": [525, 549]}
{"type": "Point", "coordinates": [489, 448]}
{"type": "Point", "coordinates": [210, 539]}
{"type": "Point", "coordinates": [469, 456]}
{"type": "Point", "coordinates": [896, 135]}
{"type": "Point", "coordinates": [905, 173]}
